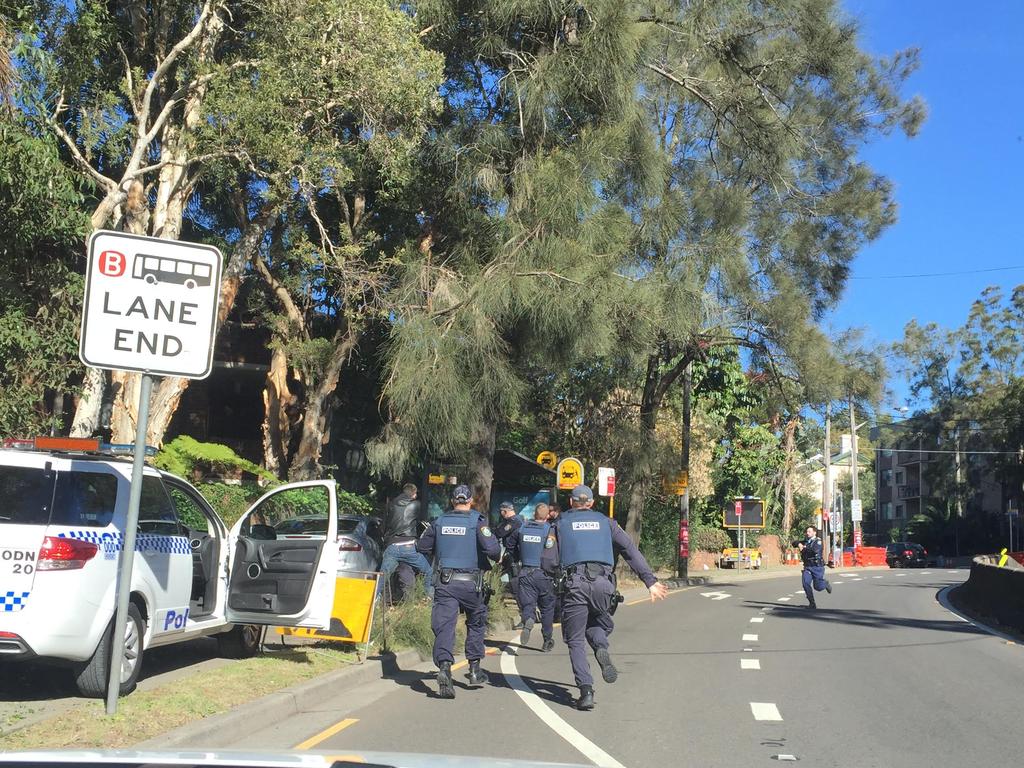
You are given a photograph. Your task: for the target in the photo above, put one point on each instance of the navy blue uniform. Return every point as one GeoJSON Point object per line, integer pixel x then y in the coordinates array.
{"type": "Point", "coordinates": [537, 553]}
{"type": "Point", "coordinates": [588, 544]}
{"type": "Point", "coordinates": [461, 545]}
{"type": "Point", "coordinates": [814, 568]}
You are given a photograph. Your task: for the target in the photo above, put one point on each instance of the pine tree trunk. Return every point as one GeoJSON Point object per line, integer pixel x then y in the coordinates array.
{"type": "Point", "coordinates": [277, 397]}
{"type": "Point", "coordinates": [637, 501]}
{"type": "Point", "coordinates": [480, 467]}
{"type": "Point", "coordinates": [306, 464]}
{"type": "Point", "coordinates": [789, 446]}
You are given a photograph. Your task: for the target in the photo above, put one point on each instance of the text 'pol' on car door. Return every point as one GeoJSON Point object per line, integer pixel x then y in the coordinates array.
{"type": "Point", "coordinates": [282, 568]}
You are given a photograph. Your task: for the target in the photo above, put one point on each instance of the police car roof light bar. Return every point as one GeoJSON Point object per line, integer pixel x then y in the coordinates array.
{"type": "Point", "coordinates": [74, 445]}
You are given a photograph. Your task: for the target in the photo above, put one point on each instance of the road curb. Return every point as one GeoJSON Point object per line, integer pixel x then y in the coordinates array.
{"type": "Point", "coordinates": [274, 707]}
{"type": "Point", "coordinates": [942, 597]}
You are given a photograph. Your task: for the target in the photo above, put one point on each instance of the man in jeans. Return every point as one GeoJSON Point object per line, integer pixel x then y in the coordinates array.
{"type": "Point", "coordinates": [402, 528]}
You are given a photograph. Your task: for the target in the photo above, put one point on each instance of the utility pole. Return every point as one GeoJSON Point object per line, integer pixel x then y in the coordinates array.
{"type": "Point", "coordinates": [854, 484]}
{"type": "Point", "coordinates": [684, 501]}
{"type": "Point", "coordinates": [826, 487]}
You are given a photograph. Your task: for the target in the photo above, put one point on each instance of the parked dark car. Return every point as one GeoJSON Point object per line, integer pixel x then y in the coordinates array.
{"type": "Point", "coordinates": [906, 554]}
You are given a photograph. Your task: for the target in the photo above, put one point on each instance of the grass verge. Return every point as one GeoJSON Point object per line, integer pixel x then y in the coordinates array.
{"type": "Point", "coordinates": [145, 714]}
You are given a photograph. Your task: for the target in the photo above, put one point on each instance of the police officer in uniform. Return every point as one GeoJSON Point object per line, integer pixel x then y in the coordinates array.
{"type": "Point", "coordinates": [587, 545]}
{"type": "Point", "coordinates": [508, 525]}
{"type": "Point", "coordinates": [537, 555]}
{"type": "Point", "coordinates": [814, 565]}
{"type": "Point", "coordinates": [461, 545]}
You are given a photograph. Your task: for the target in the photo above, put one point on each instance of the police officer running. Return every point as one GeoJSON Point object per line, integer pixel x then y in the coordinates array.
{"type": "Point", "coordinates": [461, 545]}
{"type": "Point", "coordinates": [535, 549]}
{"type": "Point", "coordinates": [814, 565]}
{"type": "Point", "coordinates": [587, 544]}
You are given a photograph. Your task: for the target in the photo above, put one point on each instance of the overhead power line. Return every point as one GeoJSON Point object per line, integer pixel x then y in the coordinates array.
{"type": "Point", "coordinates": [936, 274]}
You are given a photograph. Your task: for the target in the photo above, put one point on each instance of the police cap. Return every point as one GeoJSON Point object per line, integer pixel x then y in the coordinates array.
{"type": "Point", "coordinates": [461, 494]}
{"type": "Point", "coordinates": [582, 493]}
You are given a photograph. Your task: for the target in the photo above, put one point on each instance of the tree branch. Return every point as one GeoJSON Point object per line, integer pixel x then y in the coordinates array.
{"type": "Point", "coordinates": [684, 84]}
{"type": "Point", "coordinates": [83, 165]}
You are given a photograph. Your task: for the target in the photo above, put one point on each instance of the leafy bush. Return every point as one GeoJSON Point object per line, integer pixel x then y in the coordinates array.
{"type": "Point", "coordinates": [187, 457]}
{"type": "Point", "coordinates": [230, 501]}
{"type": "Point", "coordinates": [704, 538]}
{"type": "Point", "coordinates": [659, 534]}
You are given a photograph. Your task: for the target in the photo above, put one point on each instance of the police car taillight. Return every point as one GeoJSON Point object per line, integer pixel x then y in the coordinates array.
{"type": "Point", "coordinates": [345, 544]}
{"type": "Point", "coordinates": [59, 554]}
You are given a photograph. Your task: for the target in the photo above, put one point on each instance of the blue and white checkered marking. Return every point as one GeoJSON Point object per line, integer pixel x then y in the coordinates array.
{"type": "Point", "coordinates": [12, 601]}
{"type": "Point", "coordinates": [112, 543]}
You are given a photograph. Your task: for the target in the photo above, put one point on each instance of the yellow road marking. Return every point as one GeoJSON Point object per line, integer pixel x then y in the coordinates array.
{"type": "Point", "coordinates": [647, 599]}
{"type": "Point", "coordinates": [338, 727]}
{"type": "Point", "coordinates": [465, 662]}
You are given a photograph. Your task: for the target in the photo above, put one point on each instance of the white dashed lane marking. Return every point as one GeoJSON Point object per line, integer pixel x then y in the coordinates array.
{"type": "Point", "coordinates": [765, 711]}
{"type": "Point", "coordinates": [876, 577]}
{"type": "Point", "coordinates": [926, 573]}
{"type": "Point", "coordinates": [757, 620]}
{"type": "Point", "coordinates": [750, 663]}
{"type": "Point", "coordinates": [750, 638]}
{"type": "Point", "coordinates": [785, 599]}
{"type": "Point", "coordinates": [847, 575]}
{"type": "Point", "coordinates": [716, 595]}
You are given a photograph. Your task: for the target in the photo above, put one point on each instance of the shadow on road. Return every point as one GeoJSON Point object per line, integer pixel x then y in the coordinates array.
{"type": "Point", "coordinates": [33, 681]}
{"type": "Point", "coordinates": [864, 618]}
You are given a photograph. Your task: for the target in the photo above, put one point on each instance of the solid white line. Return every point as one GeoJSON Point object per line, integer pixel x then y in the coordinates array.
{"type": "Point", "coordinates": [550, 718]}
{"type": "Point", "coordinates": [942, 598]}
{"type": "Point", "coordinates": [764, 711]}
{"type": "Point", "coordinates": [749, 638]}
{"type": "Point", "coordinates": [750, 664]}
{"type": "Point", "coordinates": [757, 620]}
{"type": "Point", "coordinates": [785, 599]}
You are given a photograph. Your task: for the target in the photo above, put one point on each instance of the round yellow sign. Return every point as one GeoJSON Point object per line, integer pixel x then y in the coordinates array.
{"type": "Point", "coordinates": [547, 459]}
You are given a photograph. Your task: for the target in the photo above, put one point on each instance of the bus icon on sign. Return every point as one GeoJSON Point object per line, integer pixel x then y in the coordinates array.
{"type": "Point", "coordinates": [158, 269]}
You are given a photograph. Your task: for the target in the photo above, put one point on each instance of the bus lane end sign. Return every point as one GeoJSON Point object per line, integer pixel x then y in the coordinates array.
{"type": "Point", "coordinates": [150, 305]}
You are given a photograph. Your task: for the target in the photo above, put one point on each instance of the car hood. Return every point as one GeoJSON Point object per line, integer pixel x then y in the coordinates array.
{"type": "Point", "coordinates": [264, 759]}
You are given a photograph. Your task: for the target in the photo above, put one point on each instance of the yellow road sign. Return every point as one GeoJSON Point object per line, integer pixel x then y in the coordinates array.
{"type": "Point", "coordinates": [677, 484]}
{"type": "Point", "coordinates": [352, 615]}
{"type": "Point", "coordinates": [570, 474]}
{"type": "Point", "coordinates": [547, 459]}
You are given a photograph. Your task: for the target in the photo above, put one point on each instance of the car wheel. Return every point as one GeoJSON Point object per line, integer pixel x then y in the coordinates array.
{"type": "Point", "coordinates": [92, 676]}
{"type": "Point", "coordinates": [242, 642]}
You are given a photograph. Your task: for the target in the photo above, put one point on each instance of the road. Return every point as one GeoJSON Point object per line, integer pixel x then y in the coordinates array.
{"type": "Point", "coordinates": [881, 674]}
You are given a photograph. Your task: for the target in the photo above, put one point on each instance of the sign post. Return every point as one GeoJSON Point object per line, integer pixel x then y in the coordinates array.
{"type": "Point", "coordinates": [150, 306]}
{"type": "Point", "coordinates": [606, 487]}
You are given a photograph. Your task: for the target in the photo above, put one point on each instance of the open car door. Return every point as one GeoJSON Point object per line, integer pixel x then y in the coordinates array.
{"type": "Point", "coordinates": [284, 558]}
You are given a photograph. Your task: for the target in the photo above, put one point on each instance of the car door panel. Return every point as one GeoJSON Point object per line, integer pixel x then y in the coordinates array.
{"type": "Point", "coordinates": [284, 581]}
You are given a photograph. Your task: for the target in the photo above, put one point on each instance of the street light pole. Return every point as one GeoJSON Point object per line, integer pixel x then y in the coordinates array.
{"type": "Point", "coordinates": [826, 487]}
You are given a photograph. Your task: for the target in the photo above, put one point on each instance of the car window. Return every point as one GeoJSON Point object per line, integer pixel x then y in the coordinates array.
{"type": "Point", "coordinates": [156, 511]}
{"type": "Point", "coordinates": [27, 493]}
{"type": "Point", "coordinates": [84, 498]}
{"type": "Point", "coordinates": [289, 511]}
{"type": "Point", "coordinates": [190, 513]}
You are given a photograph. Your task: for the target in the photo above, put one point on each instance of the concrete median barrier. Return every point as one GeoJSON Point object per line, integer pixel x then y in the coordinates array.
{"type": "Point", "coordinates": [996, 592]}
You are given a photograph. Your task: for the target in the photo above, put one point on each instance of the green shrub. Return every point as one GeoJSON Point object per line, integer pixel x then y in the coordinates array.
{"type": "Point", "coordinates": [705, 538]}
{"type": "Point", "coordinates": [230, 501]}
{"type": "Point", "coordinates": [659, 534]}
{"type": "Point", "coordinates": [187, 457]}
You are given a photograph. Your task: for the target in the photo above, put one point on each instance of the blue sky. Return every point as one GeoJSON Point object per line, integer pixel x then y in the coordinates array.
{"type": "Point", "coordinates": [959, 182]}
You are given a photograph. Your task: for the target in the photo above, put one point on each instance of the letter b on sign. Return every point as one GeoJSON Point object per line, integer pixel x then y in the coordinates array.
{"type": "Point", "coordinates": [112, 263]}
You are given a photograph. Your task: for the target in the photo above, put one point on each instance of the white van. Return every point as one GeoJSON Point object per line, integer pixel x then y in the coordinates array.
{"type": "Point", "coordinates": [63, 506]}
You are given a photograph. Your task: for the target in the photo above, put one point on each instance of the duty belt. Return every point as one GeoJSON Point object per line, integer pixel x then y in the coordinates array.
{"type": "Point", "coordinates": [531, 568]}
{"type": "Point", "coordinates": [590, 569]}
{"type": "Point", "coordinates": [465, 576]}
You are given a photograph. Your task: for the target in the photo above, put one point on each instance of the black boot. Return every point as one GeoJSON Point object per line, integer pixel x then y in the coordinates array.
{"type": "Point", "coordinates": [586, 699]}
{"type": "Point", "coordinates": [608, 670]}
{"type": "Point", "coordinates": [812, 605]}
{"type": "Point", "coordinates": [445, 687]}
{"type": "Point", "coordinates": [524, 636]}
{"type": "Point", "coordinates": [549, 645]}
{"type": "Point", "coordinates": [828, 586]}
{"type": "Point", "coordinates": [476, 675]}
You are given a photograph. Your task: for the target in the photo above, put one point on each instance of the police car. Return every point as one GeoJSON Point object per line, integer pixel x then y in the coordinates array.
{"type": "Point", "coordinates": [63, 506]}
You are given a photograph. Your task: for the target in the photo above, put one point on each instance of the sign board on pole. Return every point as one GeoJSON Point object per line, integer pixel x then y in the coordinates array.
{"type": "Point", "coordinates": [570, 474]}
{"type": "Point", "coordinates": [856, 510]}
{"type": "Point", "coordinates": [676, 485]}
{"type": "Point", "coordinates": [745, 512]}
{"type": "Point", "coordinates": [605, 481]}
{"type": "Point", "coordinates": [351, 615]}
{"type": "Point", "coordinates": [547, 459]}
{"type": "Point", "coordinates": [150, 305]}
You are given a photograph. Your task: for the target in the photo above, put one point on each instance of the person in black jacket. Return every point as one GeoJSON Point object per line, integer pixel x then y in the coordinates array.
{"type": "Point", "coordinates": [400, 534]}
{"type": "Point", "coordinates": [814, 565]}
